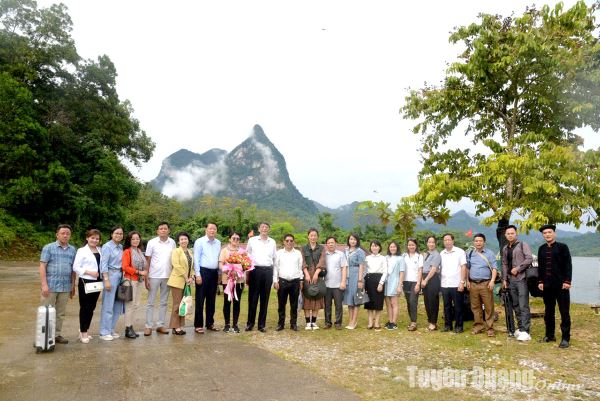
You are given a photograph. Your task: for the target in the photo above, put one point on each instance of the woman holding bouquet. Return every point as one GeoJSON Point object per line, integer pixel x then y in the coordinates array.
{"type": "Point", "coordinates": [228, 254]}
{"type": "Point", "coordinates": [181, 274]}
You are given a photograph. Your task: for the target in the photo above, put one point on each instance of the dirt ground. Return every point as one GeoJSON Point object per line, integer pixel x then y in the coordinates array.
{"type": "Point", "coordinates": [213, 366]}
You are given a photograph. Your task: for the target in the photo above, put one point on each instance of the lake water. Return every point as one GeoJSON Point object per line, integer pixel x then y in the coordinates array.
{"type": "Point", "coordinates": [586, 280]}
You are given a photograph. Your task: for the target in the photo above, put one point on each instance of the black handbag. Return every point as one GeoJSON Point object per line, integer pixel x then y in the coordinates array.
{"type": "Point", "coordinates": [125, 291]}
{"type": "Point", "coordinates": [315, 290]}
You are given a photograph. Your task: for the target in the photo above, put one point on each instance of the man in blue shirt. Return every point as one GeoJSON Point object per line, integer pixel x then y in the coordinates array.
{"type": "Point", "coordinates": [481, 277]}
{"type": "Point", "coordinates": [206, 267]}
{"type": "Point", "coordinates": [57, 276]}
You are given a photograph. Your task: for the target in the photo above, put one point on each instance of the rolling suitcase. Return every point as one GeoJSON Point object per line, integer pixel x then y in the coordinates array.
{"type": "Point", "coordinates": [45, 329]}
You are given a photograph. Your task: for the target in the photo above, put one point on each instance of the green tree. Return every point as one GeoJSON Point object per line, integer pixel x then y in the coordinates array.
{"type": "Point", "coordinates": [519, 90]}
{"type": "Point", "coordinates": [63, 128]}
{"type": "Point", "coordinates": [150, 208]}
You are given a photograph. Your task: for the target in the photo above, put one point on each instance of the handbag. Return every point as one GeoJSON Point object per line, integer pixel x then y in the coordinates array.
{"type": "Point", "coordinates": [361, 297]}
{"type": "Point", "coordinates": [125, 291]}
{"type": "Point", "coordinates": [94, 286]}
{"type": "Point", "coordinates": [315, 290]}
{"type": "Point", "coordinates": [185, 306]}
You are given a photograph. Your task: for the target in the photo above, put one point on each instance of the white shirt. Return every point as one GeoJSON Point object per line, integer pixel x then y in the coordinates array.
{"type": "Point", "coordinates": [85, 260]}
{"type": "Point", "coordinates": [377, 264]}
{"type": "Point", "coordinates": [413, 263]}
{"type": "Point", "coordinates": [288, 265]}
{"type": "Point", "coordinates": [262, 252]}
{"type": "Point", "coordinates": [335, 262]}
{"type": "Point", "coordinates": [452, 262]}
{"type": "Point", "coordinates": [160, 257]}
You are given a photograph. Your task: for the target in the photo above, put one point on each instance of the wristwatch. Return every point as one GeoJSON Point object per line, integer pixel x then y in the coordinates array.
{"type": "Point", "coordinates": [462, 282]}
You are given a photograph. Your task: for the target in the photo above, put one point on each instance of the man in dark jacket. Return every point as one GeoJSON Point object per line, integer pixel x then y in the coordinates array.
{"type": "Point", "coordinates": [516, 258]}
{"type": "Point", "coordinates": [555, 272]}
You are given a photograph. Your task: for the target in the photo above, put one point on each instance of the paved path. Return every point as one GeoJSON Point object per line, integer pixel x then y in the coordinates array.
{"type": "Point", "coordinates": [214, 366]}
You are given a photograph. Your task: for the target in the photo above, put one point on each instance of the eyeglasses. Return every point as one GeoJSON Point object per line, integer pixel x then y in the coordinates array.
{"type": "Point", "coordinates": [235, 238]}
{"type": "Point", "coordinates": [289, 240]}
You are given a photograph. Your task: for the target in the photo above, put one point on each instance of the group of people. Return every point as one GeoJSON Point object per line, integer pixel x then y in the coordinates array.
{"type": "Point", "coordinates": [318, 276]}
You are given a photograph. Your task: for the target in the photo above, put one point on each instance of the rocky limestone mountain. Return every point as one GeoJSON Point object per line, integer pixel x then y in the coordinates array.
{"type": "Point", "coordinates": [254, 170]}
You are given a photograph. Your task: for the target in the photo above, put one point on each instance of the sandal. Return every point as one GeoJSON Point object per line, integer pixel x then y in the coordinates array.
{"type": "Point", "coordinates": [432, 327]}
{"type": "Point", "coordinates": [412, 327]}
{"type": "Point", "coordinates": [199, 330]}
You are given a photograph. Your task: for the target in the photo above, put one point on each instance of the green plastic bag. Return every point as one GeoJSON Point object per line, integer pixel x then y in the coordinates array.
{"type": "Point", "coordinates": [185, 306]}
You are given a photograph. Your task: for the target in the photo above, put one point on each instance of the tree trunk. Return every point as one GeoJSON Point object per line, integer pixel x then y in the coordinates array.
{"type": "Point", "coordinates": [500, 229]}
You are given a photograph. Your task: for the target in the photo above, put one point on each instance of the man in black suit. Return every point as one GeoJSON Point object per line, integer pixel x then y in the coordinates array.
{"type": "Point", "coordinates": [555, 272]}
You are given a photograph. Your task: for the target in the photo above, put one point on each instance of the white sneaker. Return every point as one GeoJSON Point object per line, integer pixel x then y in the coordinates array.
{"type": "Point", "coordinates": [308, 326]}
{"type": "Point", "coordinates": [315, 327]}
{"type": "Point", "coordinates": [523, 336]}
{"type": "Point", "coordinates": [517, 333]}
{"type": "Point", "coordinates": [107, 337]}
{"type": "Point", "coordinates": [115, 335]}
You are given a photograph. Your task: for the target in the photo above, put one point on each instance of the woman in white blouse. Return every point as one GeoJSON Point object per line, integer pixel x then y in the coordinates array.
{"type": "Point", "coordinates": [87, 267]}
{"type": "Point", "coordinates": [412, 280]}
{"type": "Point", "coordinates": [376, 275]}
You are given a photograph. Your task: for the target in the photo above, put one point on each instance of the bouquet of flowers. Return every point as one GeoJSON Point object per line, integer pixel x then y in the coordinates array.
{"type": "Point", "coordinates": [235, 266]}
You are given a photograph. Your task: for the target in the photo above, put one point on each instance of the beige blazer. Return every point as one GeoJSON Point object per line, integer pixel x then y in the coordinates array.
{"type": "Point", "coordinates": [180, 270]}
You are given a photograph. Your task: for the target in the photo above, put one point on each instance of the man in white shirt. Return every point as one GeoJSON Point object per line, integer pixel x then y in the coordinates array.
{"type": "Point", "coordinates": [287, 273]}
{"type": "Point", "coordinates": [158, 255]}
{"type": "Point", "coordinates": [262, 249]}
{"type": "Point", "coordinates": [454, 275]}
{"type": "Point", "coordinates": [335, 281]}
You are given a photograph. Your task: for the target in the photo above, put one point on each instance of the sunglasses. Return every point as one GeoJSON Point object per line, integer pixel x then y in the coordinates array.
{"type": "Point", "coordinates": [289, 240]}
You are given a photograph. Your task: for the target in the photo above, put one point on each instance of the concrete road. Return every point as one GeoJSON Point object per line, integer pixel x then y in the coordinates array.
{"type": "Point", "coordinates": [213, 366]}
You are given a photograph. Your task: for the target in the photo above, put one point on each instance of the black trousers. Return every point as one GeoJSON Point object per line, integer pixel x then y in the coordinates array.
{"type": "Point", "coordinates": [431, 295]}
{"type": "Point", "coordinates": [87, 305]}
{"type": "Point", "coordinates": [239, 287]}
{"type": "Point", "coordinates": [336, 295]}
{"type": "Point", "coordinates": [288, 289]}
{"type": "Point", "coordinates": [260, 281]}
{"type": "Point", "coordinates": [412, 299]}
{"type": "Point", "coordinates": [552, 296]}
{"type": "Point", "coordinates": [453, 299]}
{"type": "Point", "coordinates": [207, 291]}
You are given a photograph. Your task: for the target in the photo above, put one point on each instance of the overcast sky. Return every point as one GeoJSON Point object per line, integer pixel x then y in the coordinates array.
{"type": "Point", "coordinates": [325, 80]}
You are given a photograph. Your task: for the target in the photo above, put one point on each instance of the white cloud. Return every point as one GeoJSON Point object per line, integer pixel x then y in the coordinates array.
{"type": "Point", "coordinates": [270, 168]}
{"type": "Point", "coordinates": [195, 179]}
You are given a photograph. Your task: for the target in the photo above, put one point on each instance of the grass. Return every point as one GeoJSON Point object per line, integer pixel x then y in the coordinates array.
{"type": "Point", "coordinates": [375, 364]}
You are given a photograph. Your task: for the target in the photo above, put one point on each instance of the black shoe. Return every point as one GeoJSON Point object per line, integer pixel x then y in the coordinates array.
{"type": "Point", "coordinates": [279, 327]}
{"type": "Point", "coordinates": [262, 329]}
{"type": "Point", "coordinates": [61, 340]}
{"type": "Point", "coordinates": [235, 329]}
{"type": "Point", "coordinates": [446, 329]}
{"type": "Point", "coordinates": [547, 340]}
{"type": "Point", "coordinates": [249, 327]}
{"type": "Point", "coordinates": [129, 333]}
{"type": "Point", "coordinates": [294, 327]}
{"type": "Point", "coordinates": [563, 344]}
{"type": "Point", "coordinates": [226, 328]}
{"type": "Point", "coordinates": [458, 329]}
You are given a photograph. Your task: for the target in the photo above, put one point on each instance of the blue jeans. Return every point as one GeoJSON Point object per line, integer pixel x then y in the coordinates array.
{"type": "Point", "coordinates": [111, 306]}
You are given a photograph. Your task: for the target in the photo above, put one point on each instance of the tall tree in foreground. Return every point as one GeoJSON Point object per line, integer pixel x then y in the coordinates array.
{"type": "Point", "coordinates": [63, 129]}
{"type": "Point", "coordinates": [518, 92]}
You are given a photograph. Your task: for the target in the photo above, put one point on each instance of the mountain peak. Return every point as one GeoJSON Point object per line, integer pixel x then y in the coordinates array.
{"type": "Point", "coordinates": [259, 135]}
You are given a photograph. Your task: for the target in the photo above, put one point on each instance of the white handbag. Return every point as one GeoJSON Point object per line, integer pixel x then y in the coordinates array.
{"type": "Point", "coordinates": [94, 286]}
